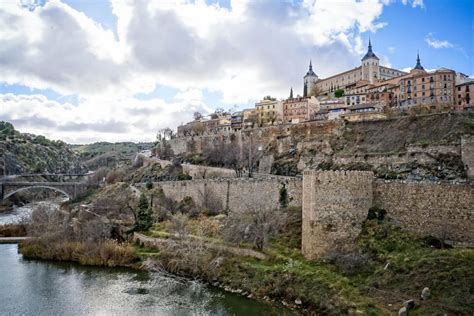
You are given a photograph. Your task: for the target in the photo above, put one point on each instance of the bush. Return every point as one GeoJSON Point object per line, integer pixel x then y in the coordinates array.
{"type": "Point", "coordinates": [376, 213]}
{"type": "Point", "coordinates": [349, 263]}
{"type": "Point", "coordinates": [149, 185]}
{"type": "Point", "coordinates": [256, 226]}
{"type": "Point", "coordinates": [12, 230]}
{"type": "Point", "coordinates": [106, 253]}
{"type": "Point", "coordinates": [188, 206]}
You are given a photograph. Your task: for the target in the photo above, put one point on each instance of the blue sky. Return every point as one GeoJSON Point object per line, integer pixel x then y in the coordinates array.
{"type": "Point", "coordinates": [70, 67]}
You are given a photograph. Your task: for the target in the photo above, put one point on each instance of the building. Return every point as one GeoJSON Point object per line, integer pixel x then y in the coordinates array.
{"type": "Point", "coordinates": [310, 80]}
{"type": "Point", "coordinates": [299, 109]}
{"type": "Point", "coordinates": [355, 98]}
{"type": "Point", "coordinates": [370, 71]}
{"type": "Point", "coordinates": [463, 95]}
{"type": "Point", "coordinates": [422, 87]}
{"type": "Point", "coordinates": [269, 112]}
{"type": "Point", "coordinates": [249, 118]}
{"type": "Point", "coordinates": [236, 120]}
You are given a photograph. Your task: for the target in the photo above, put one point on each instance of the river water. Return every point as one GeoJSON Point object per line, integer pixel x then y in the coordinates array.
{"type": "Point", "coordinates": [18, 213]}
{"type": "Point", "coordinates": [30, 287]}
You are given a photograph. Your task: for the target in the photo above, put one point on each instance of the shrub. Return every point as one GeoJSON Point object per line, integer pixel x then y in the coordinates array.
{"type": "Point", "coordinates": [12, 230]}
{"type": "Point", "coordinates": [256, 225]}
{"type": "Point", "coordinates": [283, 197]}
{"type": "Point", "coordinates": [188, 206]}
{"type": "Point", "coordinates": [376, 213]}
{"type": "Point", "coordinates": [144, 217]}
{"type": "Point", "coordinates": [349, 262]}
{"type": "Point", "coordinates": [149, 185]}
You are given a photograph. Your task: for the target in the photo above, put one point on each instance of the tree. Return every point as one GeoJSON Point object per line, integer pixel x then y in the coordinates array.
{"type": "Point", "coordinates": [315, 91]}
{"type": "Point", "coordinates": [197, 116]}
{"type": "Point", "coordinates": [256, 225]}
{"type": "Point", "coordinates": [283, 197]}
{"type": "Point", "coordinates": [144, 219]}
{"type": "Point", "coordinates": [339, 93]}
{"type": "Point", "coordinates": [270, 98]}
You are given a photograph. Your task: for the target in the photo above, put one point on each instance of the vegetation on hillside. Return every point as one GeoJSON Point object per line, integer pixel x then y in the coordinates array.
{"type": "Point", "coordinates": [27, 153]}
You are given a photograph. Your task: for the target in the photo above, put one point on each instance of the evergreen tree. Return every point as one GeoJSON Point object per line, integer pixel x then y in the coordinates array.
{"type": "Point", "coordinates": [144, 218]}
{"type": "Point", "coordinates": [283, 197]}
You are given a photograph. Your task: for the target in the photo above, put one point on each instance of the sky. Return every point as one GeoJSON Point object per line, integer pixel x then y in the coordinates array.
{"type": "Point", "coordinates": [96, 70]}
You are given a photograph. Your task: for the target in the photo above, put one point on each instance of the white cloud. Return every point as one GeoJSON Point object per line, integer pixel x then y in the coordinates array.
{"type": "Point", "coordinates": [99, 118]}
{"type": "Point", "coordinates": [436, 43]}
{"type": "Point", "coordinates": [255, 48]}
{"type": "Point", "coordinates": [414, 3]}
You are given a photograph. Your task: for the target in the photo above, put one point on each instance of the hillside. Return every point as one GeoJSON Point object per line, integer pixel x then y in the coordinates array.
{"type": "Point", "coordinates": [28, 153]}
{"type": "Point", "coordinates": [104, 154]}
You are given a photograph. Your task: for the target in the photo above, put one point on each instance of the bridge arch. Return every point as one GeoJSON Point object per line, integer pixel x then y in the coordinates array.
{"type": "Point", "coordinates": [36, 187]}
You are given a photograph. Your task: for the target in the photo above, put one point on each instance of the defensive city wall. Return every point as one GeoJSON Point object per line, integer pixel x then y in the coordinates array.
{"type": "Point", "coordinates": [335, 203]}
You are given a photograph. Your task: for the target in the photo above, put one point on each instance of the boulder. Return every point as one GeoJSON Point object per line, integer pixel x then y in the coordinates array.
{"type": "Point", "coordinates": [425, 294]}
{"type": "Point", "coordinates": [410, 304]}
{"type": "Point", "coordinates": [298, 301]}
{"type": "Point", "coordinates": [403, 311]}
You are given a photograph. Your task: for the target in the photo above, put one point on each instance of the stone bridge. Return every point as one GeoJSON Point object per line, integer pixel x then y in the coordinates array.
{"type": "Point", "coordinates": [69, 189]}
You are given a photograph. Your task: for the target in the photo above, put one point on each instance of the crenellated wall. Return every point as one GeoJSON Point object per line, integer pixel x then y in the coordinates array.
{"type": "Point", "coordinates": [236, 194]}
{"type": "Point", "coordinates": [335, 204]}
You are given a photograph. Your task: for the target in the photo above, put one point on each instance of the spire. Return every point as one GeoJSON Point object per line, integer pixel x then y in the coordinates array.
{"type": "Point", "coordinates": [418, 62]}
{"type": "Point", "coordinates": [291, 93]}
{"type": "Point", "coordinates": [370, 53]}
{"type": "Point", "coordinates": [310, 70]}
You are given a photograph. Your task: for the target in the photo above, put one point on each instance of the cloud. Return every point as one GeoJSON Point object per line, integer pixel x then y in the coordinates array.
{"type": "Point", "coordinates": [99, 118]}
{"type": "Point", "coordinates": [435, 43]}
{"type": "Point", "coordinates": [414, 3]}
{"type": "Point", "coordinates": [241, 52]}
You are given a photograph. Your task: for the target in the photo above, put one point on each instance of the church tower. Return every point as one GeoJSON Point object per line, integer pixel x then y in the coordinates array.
{"type": "Point", "coordinates": [309, 81]}
{"type": "Point", "coordinates": [370, 66]}
{"type": "Point", "coordinates": [418, 67]}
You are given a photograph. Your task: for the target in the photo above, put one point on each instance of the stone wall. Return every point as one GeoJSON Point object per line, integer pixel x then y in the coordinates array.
{"type": "Point", "coordinates": [236, 194]}
{"type": "Point", "coordinates": [467, 155]}
{"type": "Point", "coordinates": [335, 203]}
{"type": "Point", "coordinates": [444, 210]}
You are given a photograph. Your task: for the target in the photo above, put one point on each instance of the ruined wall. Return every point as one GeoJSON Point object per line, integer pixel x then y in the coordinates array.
{"type": "Point", "coordinates": [236, 194]}
{"type": "Point", "coordinates": [335, 203]}
{"type": "Point", "coordinates": [443, 210]}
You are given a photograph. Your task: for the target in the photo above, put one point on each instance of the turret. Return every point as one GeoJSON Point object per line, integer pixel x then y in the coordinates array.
{"type": "Point", "coordinates": [370, 65]}
{"type": "Point", "coordinates": [309, 80]}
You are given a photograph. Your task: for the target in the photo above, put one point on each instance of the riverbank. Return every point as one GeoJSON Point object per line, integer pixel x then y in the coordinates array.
{"type": "Point", "coordinates": [106, 253]}
{"type": "Point", "coordinates": [389, 268]}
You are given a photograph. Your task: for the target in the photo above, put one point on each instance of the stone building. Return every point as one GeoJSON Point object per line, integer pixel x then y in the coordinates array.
{"type": "Point", "coordinates": [299, 109]}
{"type": "Point", "coordinates": [269, 112]}
{"type": "Point", "coordinates": [420, 87]}
{"type": "Point", "coordinates": [464, 100]}
{"type": "Point", "coordinates": [370, 71]}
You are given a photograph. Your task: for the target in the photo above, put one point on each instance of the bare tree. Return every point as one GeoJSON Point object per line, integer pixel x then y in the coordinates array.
{"type": "Point", "coordinates": [256, 225]}
{"type": "Point", "coordinates": [315, 91]}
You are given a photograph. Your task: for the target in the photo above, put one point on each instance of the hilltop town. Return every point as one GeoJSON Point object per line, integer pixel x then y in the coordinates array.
{"type": "Point", "coordinates": [368, 92]}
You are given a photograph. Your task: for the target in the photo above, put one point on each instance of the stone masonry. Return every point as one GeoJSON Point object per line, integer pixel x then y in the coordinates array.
{"type": "Point", "coordinates": [335, 203]}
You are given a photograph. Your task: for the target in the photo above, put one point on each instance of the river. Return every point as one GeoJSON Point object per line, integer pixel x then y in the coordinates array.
{"type": "Point", "coordinates": [17, 213]}
{"type": "Point", "coordinates": [30, 287]}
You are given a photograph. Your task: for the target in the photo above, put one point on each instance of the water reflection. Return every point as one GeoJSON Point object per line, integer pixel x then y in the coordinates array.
{"type": "Point", "coordinates": [44, 288]}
